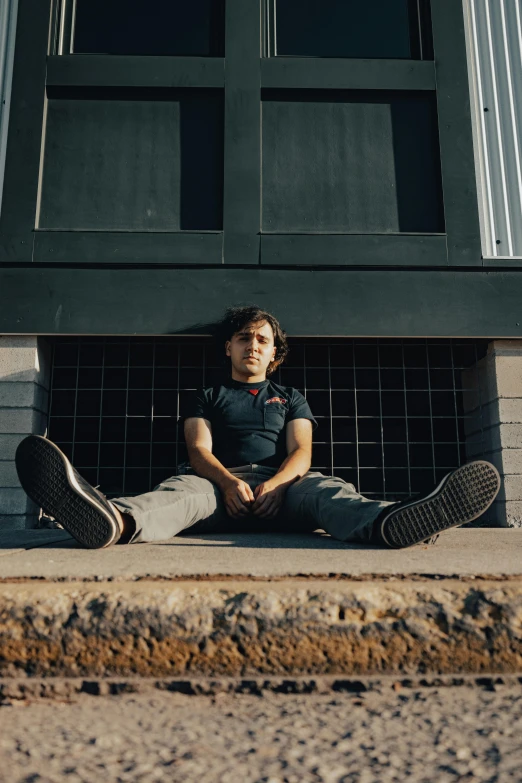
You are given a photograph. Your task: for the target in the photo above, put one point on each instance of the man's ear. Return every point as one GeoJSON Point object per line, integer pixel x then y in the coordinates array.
{"type": "Point", "coordinates": [227, 348]}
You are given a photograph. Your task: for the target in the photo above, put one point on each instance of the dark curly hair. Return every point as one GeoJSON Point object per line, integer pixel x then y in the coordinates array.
{"type": "Point", "coordinates": [236, 318]}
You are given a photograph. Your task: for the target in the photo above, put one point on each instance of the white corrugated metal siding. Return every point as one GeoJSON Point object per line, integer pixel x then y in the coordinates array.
{"type": "Point", "coordinates": [8, 12]}
{"type": "Point", "coordinates": [494, 41]}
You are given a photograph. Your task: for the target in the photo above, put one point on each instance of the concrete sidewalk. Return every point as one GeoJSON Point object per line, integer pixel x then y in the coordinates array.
{"type": "Point", "coordinates": [54, 555]}
{"type": "Point", "coordinates": [244, 605]}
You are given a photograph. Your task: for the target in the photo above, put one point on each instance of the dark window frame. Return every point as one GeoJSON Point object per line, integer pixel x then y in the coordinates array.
{"type": "Point", "coordinates": [66, 41]}
{"type": "Point", "coordinates": [421, 42]}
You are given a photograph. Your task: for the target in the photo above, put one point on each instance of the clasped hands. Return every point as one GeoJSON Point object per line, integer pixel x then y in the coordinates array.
{"type": "Point", "coordinates": [265, 501]}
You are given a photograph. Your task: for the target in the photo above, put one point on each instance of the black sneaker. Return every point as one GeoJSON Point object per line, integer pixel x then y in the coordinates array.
{"type": "Point", "coordinates": [462, 495]}
{"type": "Point", "coordinates": [51, 482]}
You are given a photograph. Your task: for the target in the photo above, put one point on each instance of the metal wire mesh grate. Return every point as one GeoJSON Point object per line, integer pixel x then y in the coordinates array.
{"type": "Point", "coordinates": [392, 413]}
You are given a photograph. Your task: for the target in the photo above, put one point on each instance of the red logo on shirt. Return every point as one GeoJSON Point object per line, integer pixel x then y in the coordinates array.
{"type": "Point", "coordinates": [254, 391]}
{"type": "Point", "coordinates": [276, 399]}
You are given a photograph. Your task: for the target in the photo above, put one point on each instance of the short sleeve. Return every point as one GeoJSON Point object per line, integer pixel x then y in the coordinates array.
{"type": "Point", "coordinates": [197, 406]}
{"type": "Point", "coordinates": [299, 409]}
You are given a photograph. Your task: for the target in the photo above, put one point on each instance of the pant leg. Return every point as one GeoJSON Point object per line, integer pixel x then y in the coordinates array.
{"type": "Point", "coordinates": [330, 503]}
{"type": "Point", "coordinates": [176, 503]}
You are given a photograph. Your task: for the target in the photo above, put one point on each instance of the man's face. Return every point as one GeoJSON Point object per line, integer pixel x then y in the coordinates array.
{"type": "Point", "coordinates": [251, 350]}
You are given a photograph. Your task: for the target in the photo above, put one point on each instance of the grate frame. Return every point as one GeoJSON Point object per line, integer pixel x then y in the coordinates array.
{"type": "Point", "coordinates": [391, 414]}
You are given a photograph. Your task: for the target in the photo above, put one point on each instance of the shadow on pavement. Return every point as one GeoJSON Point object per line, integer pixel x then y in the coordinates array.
{"type": "Point", "coordinates": [262, 539]}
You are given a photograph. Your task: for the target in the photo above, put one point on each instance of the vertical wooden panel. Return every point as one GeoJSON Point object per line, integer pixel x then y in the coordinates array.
{"type": "Point", "coordinates": [242, 173]}
{"type": "Point", "coordinates": [327, 164]}
{"type": "Point", "coordinates": [104, 165]}
{"type": "Point", "coordinates": [455, 133]}
{"type": "Point", "coordinates": [133, 160]}
{"type": "Point", "coordinates": [351, 160]}
{"type": "Point", "coordinates": [25, 131]}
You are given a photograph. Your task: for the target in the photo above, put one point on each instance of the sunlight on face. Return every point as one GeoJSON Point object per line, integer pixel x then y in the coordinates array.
{"type": "Point", "coordinates": [251, 350]}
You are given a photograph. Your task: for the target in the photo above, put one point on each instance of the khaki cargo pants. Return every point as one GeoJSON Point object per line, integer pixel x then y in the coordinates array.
{"type": "Point", "coordinates": [313, 502]}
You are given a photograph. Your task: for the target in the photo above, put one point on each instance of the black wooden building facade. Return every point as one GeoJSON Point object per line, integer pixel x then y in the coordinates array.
{"type": "Point", "coordinates": [165, 159]}
{"type": "Point", "coordinates": [315, 157]}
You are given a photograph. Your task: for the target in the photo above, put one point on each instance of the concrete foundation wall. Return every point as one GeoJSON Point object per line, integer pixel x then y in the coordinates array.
{"type": "Point", "coordinates": [494, 429]}
{"type": "Point", "coordinates": [25, 369]}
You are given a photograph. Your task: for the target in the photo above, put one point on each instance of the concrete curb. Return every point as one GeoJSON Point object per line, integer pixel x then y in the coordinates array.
{"type": "Point", "coordinates": [159, 629]}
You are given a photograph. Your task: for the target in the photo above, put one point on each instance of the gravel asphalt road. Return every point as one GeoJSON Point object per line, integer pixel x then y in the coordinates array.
{"type": "Point", "coordinates": [425, 734]}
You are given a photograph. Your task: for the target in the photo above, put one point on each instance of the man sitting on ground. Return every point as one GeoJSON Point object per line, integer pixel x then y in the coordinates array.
{"type": "Point", "coordinates": [249, 444]}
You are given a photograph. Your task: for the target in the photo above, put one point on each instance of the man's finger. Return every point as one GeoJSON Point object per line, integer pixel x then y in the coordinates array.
{"type": "Point", "coordinates": [274, 508]}
{"type": "Point", "coordinates": [244, 497]}
{"type": "Point", "coordinates": [261, 501]}
{"type": "Point", "coordinates": [244, 492]}
{"type": "Point", "coordinates": [260, 490]}
{"type": "Point", "coordinates": [265, 509]}
{"type": "Point", "coordinates": [238, 505]}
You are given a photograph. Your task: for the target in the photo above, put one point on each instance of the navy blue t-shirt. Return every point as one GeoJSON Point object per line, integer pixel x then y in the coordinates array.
{"type": "Point", "coordinates": [248, 420]}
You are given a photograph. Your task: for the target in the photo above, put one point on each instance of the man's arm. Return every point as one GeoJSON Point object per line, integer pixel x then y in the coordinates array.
{"type": "Point", "coordinates": [237, 494]}
{"type": "Point", "coordinates": [198, 437]}
{"type": "Point", "coordinates": [270, 494]}
{"type": "Point", "coordinates": [299, 450]}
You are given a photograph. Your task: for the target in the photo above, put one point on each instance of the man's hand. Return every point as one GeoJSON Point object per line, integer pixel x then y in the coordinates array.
{"type": "Point", "coordinates": [238, 498]}
{"type": "Point", "coordinates": [268, 499]}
